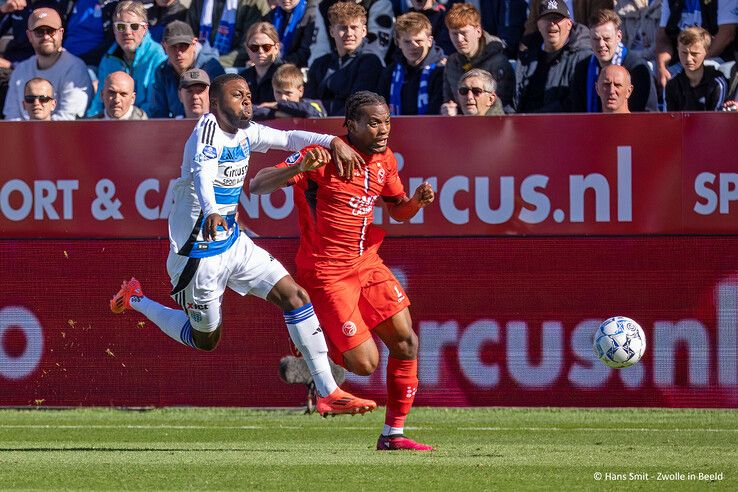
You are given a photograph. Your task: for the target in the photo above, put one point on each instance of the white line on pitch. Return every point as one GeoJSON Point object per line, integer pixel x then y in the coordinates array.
{"type": "Point", "coordinates": [589, 429]}
{"type": "Point", "coordinates": [186, 427]}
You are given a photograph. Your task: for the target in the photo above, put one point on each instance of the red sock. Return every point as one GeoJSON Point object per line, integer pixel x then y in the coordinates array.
{"type": "Point", "coordinates": [402, 383]}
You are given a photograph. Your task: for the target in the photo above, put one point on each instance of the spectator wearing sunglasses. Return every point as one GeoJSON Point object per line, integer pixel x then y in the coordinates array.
{"type": "Point", "coordinates": [134, 52]}
{"type": "Point", "coordinates": [477, 96]}
{"type": "Point", "coordinates": [475, 48]}
{"type": "Point", "coordinates": [38, 99]}
{"type": "Point", "coordinates": [14, 21]}
{"type": "Point", "coordinates": [263, 47]}
{"type": "Point", "coordinates": [66, 73]}
{"type": "Point", "coordinates": [184, 52]}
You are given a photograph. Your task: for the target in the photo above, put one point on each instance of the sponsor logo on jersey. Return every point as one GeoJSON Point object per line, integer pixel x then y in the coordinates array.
{"type": "Point", "coordinates": [209, 152]}
{"type": "Point", "coordinates": [192, 305]}
{"type": "Point", "coordinates": [362, 205]}
{"type": "Point", "coordinates": [349, 328]}
{"type": "Point", "coordinates": [293, 158]}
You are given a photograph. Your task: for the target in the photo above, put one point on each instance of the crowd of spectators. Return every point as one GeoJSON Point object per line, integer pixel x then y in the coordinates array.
{"type": "Point", "coordinates": [128, 59]}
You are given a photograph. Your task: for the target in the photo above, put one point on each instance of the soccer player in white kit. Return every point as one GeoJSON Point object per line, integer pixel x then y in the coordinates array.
{"type": "Point", "coordinates": [208, 252]}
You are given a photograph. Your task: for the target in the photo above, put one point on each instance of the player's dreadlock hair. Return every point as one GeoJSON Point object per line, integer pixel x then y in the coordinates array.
{"type": "Point", "coordinates": [217, 85]}
{"type": "Point", "coordinates": [359, 99]}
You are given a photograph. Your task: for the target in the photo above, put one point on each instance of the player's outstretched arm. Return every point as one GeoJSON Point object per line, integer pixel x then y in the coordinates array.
{"type": "Point", "coordinates": [273, 178]}
{"type": "Point", "coordinates": [347, 160]}
{"type": "Point", "coordinates": [406, 208]}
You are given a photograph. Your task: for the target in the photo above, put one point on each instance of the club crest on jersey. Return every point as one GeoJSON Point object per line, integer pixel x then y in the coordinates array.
{"type": "Point", "coordinates": [349, 328]}
{"type": "Point", "coordinates": [209, 152]}
{"type": "Point", "coordinates": [381, 174]}
{"type": "Point", "coordinates": [293, 158]}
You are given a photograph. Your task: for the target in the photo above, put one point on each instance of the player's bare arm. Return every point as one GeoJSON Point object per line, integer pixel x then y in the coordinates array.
{"type": "Point", "coordinates": [405, 208]}
{"type": "Point", "coordinates": [273, 178]}
{"type": "Point", "coordinates": [211, 226]}
{"type": "Point", "coordinates": [347, 160]}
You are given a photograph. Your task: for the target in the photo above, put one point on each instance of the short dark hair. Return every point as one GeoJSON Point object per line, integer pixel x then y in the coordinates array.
{"type": "Point", "coordinates": [358, 100]}
{"type": "Point", "coordinates": [217, 85]}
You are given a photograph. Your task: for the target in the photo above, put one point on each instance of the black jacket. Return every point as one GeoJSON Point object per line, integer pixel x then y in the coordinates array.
{"type": "Point", "coordinates": [411, 84]}
{"type": "Point", "coordinates": [644, 87]}
{"type": "Point", "coordinates": [555, 88]}
{"type": "Point", "coordinates": [709, 95]}
{"type": "Point", "coordinates": [492, 59]}
{"type": "Point", "coordinates": [261, 90]}
{"type": "Point", "coordinates": [332, 79]}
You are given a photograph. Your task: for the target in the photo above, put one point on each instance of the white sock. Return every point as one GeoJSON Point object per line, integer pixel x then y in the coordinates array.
{"type": "Point", "coordinates": [173, 322]}
{"type": "Point", "coordinates": [307, 335]}
{"type": "Point", "coordinates": [391, 431]}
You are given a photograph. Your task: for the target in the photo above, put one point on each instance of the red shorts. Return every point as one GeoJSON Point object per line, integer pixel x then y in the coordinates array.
{"type": "Point", "coordinates": [353, 301]}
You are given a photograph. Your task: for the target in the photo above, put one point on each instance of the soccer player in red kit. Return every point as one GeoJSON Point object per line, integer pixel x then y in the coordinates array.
{"type": "Point", "coordinates": [352, 290]}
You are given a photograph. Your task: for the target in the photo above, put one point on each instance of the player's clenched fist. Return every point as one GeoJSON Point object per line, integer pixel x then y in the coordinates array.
{"type": "Point", "coordinates": [314, 158]}
{"type": "Point", "coordinates": [424, 194]}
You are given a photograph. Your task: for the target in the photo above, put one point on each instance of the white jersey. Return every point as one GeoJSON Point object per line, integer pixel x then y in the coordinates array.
{"type": "Point", "coordinates": [214, 167]}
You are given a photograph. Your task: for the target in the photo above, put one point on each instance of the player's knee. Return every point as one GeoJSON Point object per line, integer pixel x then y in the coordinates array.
{"type": "Point", "coordinates": [206, 341]}
{"type": "Point", "coordinates": [362, 367]}
{"type": "Point", "coordinates": [407, 347]}
{"type": "Point", "coordinates": [294, 298]}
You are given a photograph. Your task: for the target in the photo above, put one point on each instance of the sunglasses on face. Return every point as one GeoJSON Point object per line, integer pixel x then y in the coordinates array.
{"type": "Point", "coordinates": [255, 48]}
{"type": "Point", "coordinates": [31, 98]}
{"type": "Point", "coordinates": [135, 26]}
{"type": "Point", "coordinates": [42, 31]}
{"type": "Point", "coordinates": [464, 91]}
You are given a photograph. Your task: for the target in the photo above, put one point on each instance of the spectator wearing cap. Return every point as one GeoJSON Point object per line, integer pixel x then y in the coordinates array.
{"type": "Point", "coordinates": [475, 48]}
{"type": "Point", "coordinates": [134, 52]}
{"type": "Point", "coordinates": [66, 73]}
{"type": "Point", "coordinates": [118, 95]}
{"type": "Point", "coordinates": [606, 42]}
{"type": "Point", "coordinates": [38, 99]}
{"type": "Point", "coordinates": [477, 96]}
{"type": "Point", "coordinates": [614, 87]}
{"type": "Point", "coordinates": [14, 21]}
{"type": "Point", "coordinates": [545, 72]}
{"type": "Point", "coordinates": [194, 93]}
{"type": "Point", "coordinates": [184, 52]}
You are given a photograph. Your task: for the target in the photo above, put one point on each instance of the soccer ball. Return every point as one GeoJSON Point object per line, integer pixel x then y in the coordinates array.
{"type": "Point", "coordinates": [619, 342]}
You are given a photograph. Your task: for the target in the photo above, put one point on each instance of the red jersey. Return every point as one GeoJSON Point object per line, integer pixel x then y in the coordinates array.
{"type": "Point", "coordinates": [336, 215]}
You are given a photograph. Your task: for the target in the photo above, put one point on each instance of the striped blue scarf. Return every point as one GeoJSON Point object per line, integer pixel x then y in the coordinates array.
{"type": "Point", "coordinates": [398, 79]}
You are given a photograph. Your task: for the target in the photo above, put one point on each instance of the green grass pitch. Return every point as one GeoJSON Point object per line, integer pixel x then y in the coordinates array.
{"type": "Point", "coordinates": [477, 449]}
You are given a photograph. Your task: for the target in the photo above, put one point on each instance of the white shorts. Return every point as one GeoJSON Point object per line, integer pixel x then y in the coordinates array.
{"type": "Point", "coordinates": [199, 283]}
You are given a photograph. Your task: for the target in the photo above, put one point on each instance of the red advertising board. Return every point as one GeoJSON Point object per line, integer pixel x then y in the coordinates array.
{"type": "Point", "coordinates": [543, 227]}
{"type": "Point", "coordinates": [519, 175]}
{"type": "Point", "coordinates": [501, 321]}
